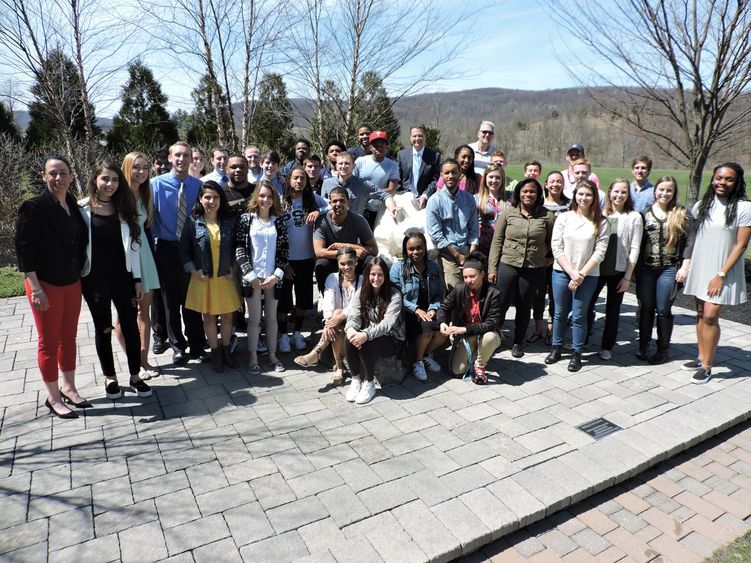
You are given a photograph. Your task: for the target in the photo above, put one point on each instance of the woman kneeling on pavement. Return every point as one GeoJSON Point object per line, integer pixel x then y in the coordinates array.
{"type": "Point", "coordinates": [471, 314]}
{"type": "Point", "coordinates": [421, 283]}
{"type": "Point", "coordinates": [339, 291]}
{"type": "Point", "coordinates": [374, 329]}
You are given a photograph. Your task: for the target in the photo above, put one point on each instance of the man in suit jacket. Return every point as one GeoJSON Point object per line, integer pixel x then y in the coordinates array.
{"type": "Point", "coordinates": [419, 166]}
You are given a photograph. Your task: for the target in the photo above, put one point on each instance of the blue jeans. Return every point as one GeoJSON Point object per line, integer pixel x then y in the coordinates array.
{"type": "Point", "coordinates": [656, 289]}
{"type": "Point", "coordinates": [576, 302]}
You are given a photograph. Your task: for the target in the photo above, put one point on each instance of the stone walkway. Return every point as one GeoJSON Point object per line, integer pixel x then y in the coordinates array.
{"type": "Point", "coordinates": [681, 510]}
{"type": "Point", "coordinates": [227, 467]}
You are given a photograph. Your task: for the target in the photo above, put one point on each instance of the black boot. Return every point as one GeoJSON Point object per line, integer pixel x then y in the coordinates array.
{"type": "Point", "coordinates": [646, 322]}
{"type": "Point", "coordinates": [227, 358]}
{"type": "Point", "coordinates": [575, 363]}
{"type": "Point", "coordinates": [664, 333]}
{"type": "Point", "coordinates": [554, 356]}
{"type": "Point", "coordinates": [216, 360]}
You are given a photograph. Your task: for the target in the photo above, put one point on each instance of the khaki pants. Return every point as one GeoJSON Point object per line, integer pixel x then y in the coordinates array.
{"type": "Point", "coordinates": [482, 347]}
{"type": "Point", "coordinates": [452, 273]}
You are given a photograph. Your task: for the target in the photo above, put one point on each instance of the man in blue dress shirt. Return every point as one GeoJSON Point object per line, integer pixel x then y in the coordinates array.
{"type": "Point", "coordinates": [173, 196]}
{"type": "Point", "coordinates": [451, 217]}
{"type": "Point", "coordinates": [642, 190]}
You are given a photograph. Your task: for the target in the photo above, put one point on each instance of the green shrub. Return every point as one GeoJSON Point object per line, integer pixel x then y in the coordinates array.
{"type": "Point", "coordinates": [11, 282]}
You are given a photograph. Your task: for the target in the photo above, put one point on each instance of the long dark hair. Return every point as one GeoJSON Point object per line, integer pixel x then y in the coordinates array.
{"type": "Point", "coordinates": [123, 201]}
{"type": "Point", "coordinates": [308, 200]}
{"type": "Point", "coordinates": [372, 299]}
{"type": "Point", "coordinates": [516, 196]}
{"type": "Point", "coordinates": [349, 251]}
{"type": "Point", "coordinates": [407, 262]}
{"type": "Point", "coordinates": [738, 194]}
{"type": "Point", "coordinates": [223, 212]}
{"type": "Point", "coordinates": [470, 178]}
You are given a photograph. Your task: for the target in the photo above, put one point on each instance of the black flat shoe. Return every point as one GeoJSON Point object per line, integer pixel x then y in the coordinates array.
{"type": "Point", "coordinates": [179, 358]}
{"type": "Point", "coordinates": [554, 356]}
{"type": "Point", "coordinates": [67, 415]}
{"type": "Point", "coordinates": [82, 405]}
{"type": "Point", "coordinates": [142, 389]}
{"type": "Point", "coordinates": [575, 363]}
{"type": "Point", "coordinates": [112, 390]}
{"type": "Point", "coordinates": [159, 346]}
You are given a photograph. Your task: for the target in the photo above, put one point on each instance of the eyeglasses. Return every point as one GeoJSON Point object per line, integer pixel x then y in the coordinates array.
{"type": "Point", "coordinates": [489, 133]}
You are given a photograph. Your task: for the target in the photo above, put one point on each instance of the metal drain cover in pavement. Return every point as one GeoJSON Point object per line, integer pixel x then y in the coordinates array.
{"type": "Point", "coordinates": [599, 428]}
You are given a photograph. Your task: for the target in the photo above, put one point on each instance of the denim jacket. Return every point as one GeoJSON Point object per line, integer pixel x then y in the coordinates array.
{"type": "Point", "coordinates": [195, 246]}
{"type": "Point", "coordinates": [411, 287]}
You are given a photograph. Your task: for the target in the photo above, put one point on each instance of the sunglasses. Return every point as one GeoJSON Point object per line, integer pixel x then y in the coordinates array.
{"type": "Point", "coordinates": [491, 133]}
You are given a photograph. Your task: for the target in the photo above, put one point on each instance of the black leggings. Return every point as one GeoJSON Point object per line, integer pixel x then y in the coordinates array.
{"type": "Point", "coordinates": [362, 361]}
{"type": "Point", "coordinates": [518, 287]}
{"type": "Point", "coordinates": [115, 288]}
{"type": "Point", "coordinates": [612, 309]}
{"type": "Point", "coordinates": [545, 289]}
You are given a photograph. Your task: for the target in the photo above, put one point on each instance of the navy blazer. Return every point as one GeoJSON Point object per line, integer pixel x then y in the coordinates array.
{"type": "Point", "coordinates": [429, 169]}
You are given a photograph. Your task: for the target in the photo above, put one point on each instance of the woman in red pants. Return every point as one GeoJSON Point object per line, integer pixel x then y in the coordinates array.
{"type": "Point", "coordinates": [51, 239]}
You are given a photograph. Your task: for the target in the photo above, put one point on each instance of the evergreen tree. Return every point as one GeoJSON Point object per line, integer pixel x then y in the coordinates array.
{"type": "Point", "coordinates": [7, 123]}
{"type": "Point", "coordinates": [201, 125]}
{"type": "Point", "coordinates": [271, 125]}
{"type": "Point", "coordinates": [373, 106]}
{"type": "Point", "coordinates": [56, 86]}
{"type": "Point", "coordinates": [143, 122]}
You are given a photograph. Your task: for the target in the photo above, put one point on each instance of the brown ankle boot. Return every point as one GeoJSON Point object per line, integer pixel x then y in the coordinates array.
{"type": "Point", "coordinates": [216, 360]}
{"type": "Point", "coordinates": [227, 358]}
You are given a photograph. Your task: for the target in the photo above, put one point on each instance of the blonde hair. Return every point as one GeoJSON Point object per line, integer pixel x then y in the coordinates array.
{"type": "Point", "coordinates": [276, 207]}
{"type": "Point", "coordinates": [676, 219]}
{"type": "Point", "coordinates": [144, 190]}
{"type": "Point", "coordinates": [484, 192]}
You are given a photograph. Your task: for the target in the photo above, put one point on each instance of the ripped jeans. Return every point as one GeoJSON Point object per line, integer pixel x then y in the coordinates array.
{"type": "Point", "coordinates": [116, 288]}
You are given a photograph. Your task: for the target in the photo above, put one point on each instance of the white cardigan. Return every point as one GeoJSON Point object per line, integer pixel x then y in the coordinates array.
{"type": "Point", "coordinates": [575, 238]}
{"type": "Point", "coordinates": [132, 251]}
{"type": "Point", "coordinates": [628, 246]}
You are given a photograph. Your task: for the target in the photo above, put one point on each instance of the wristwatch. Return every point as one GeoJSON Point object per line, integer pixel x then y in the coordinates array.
{"type": "Point", "coordinates": [722, 274]}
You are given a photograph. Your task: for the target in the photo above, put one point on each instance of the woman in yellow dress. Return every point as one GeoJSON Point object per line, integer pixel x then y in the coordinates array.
{"type": "Point", "coordinates": [207, 251]}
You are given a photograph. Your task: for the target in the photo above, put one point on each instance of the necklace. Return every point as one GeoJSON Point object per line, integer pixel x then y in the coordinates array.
{"type": "Point", "coordinates": [102, 200]}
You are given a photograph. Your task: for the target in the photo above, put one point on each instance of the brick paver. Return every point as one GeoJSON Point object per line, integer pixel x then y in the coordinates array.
{"type": "Point", "coordinates": [218, 467]}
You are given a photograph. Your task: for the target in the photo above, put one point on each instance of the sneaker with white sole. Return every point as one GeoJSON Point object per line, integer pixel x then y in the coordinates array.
{"type": "Point", "coordinates": [702, 375]}
{"type": "Point", "coordinates": [285, 346]}
{"type": "Point", "coordinates": [354, 390]}
{"type": "Point", "coordinates": [418, 370]}
{"type": "Point", "coordinates": [691, 365]}
{"type": "Point", "coordinates": [431, 364]}
{"type": "Point", "coordinates": [606, 354]}
{"type": "Point", "coordinates": [298, 341]}
{"type": "Point", "coordinates": [366, 394]}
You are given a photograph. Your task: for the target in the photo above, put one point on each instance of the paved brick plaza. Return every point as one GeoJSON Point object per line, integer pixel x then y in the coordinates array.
{"type": "Point", "coordinates": [225, 467]}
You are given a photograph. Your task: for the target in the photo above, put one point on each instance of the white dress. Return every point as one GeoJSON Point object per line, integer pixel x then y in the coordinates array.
{"type": "Point", "coordinates": [712, 246]}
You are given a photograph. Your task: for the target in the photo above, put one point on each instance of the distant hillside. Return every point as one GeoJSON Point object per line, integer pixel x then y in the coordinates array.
{"type": "Point", "coordinates": [22, 121]}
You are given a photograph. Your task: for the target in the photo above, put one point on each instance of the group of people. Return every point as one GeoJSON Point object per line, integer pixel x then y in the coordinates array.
{"type": "Point", "coordinates": [181, 253]}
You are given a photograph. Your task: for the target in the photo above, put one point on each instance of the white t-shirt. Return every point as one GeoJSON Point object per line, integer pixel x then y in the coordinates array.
{"type": "Point", "coordinates": [299, 232]}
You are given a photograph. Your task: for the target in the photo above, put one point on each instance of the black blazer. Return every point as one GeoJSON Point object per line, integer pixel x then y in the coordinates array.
{"type": "Point", "coordinates": [454, 307]}
{"type": "Point", "coordinates": [44, 241]}
{"type": "Point", "coordinates": [429, 169]}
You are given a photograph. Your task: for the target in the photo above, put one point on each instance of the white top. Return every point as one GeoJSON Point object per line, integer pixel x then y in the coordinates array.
{"type": "Point", "coordinates": [299, 232]}
{"type": "Point", "coordinates": [574, 237]}
{"type": "Point", "coordinates": [712, 246]}
{"type": "Point", "coordinates": [263, 239]}
{"type": "Point", "coordinates": [336, 297]}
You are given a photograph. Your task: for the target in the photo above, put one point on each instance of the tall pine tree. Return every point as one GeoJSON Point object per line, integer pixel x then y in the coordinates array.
{"type": "Point", "coordinates": [200, 125]}
{"type": "Point", "coordinates": [271, 125]}
{"type": "Point", "coordinates": [7, 123]}
{"type": "Point", "coordinates": [374, 107]}
{"type": "Point", "coordinates": [56, 88]}
{"type": "Point", "coordinates": [143, 122]}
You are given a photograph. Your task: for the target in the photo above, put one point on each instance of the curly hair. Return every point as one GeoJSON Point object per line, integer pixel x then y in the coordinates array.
{"type": "Point", "coordinates": [738, 194]}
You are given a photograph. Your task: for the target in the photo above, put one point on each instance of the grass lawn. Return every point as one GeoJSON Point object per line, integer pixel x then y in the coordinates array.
{"type": "Point", "coordinates": [11, 282]}
{"type": "Point", "coordinates": [607, 175]}
{"type": "Point", "coordinates": [736, 551]}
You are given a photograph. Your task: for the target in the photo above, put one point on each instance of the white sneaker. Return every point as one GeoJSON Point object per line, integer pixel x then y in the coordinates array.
{"type": "Point", "coordinates": [284, 344]}
{"type": "Point", "coordinates": [366, 394]}
{"type": "Point", "coordinates": [418, 370]}
{"type": "Point", "coordinates": [431, 364]}
{"type": "Point", "coordinates": [606, 354]}
{"type": "Point", "coordinates": [354, 390]}
{"type": "Point", "coordinates": [298, 340]}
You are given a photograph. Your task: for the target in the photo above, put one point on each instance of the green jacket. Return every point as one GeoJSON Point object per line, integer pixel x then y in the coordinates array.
{"type": "Point", "coordinates": [520, 241]}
